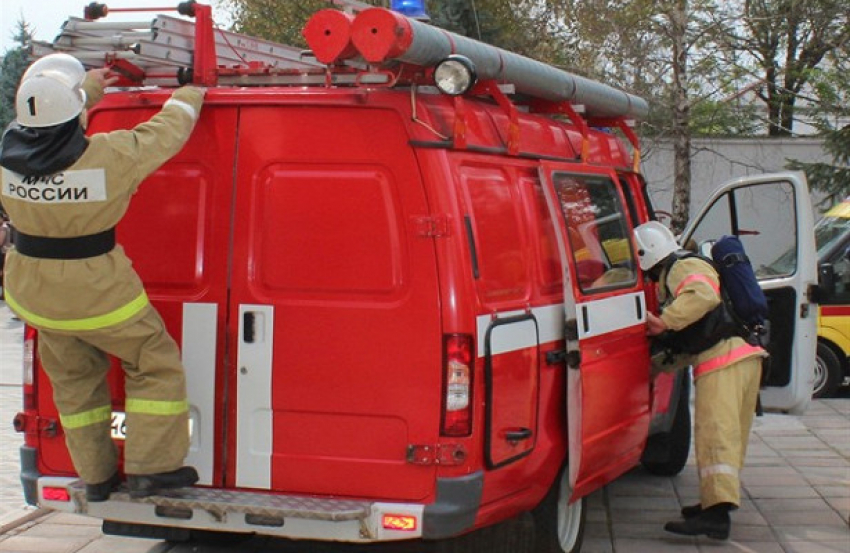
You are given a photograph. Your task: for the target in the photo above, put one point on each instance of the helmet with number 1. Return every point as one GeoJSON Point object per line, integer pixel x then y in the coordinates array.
{"type": "Point", "coordinates": [51, 91]}
{"type": "Point", "coordinates": [655, 242]}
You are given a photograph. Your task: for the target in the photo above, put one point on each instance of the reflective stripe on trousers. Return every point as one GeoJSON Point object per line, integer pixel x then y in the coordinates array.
{"type": "Point", "coordinates": [86, 418]}
{"type": "Point", "coordinates": [112, 318]}
{"type": "Point", "coordinates": [156, 407]}
{"type": "Point", "coordinates": [720, 468]}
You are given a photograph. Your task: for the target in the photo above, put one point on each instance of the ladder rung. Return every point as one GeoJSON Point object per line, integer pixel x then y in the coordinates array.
{"type": "Point", "coordinates": [249, 48]}
{"type": "Point", "coordinates": [159, 46]}
{"type": "Point", "coordinates": [305, 79]}
{"type": "Point", "coordinates": [75, 24]}
{"type": "Point", "coordinates": [122, 41]}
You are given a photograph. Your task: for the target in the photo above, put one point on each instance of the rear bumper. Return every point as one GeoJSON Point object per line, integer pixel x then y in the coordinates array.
{"type": "Point", "coordinates": [29, 474]}
{"type": "Point", "coordinates": [295, 517]}
{"type": "Point", "coordinates": [247, 512]}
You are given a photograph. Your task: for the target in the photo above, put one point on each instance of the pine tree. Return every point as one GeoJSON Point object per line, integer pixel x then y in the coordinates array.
{"type": "Point", "coordinates": [13, 66]}
{"type": "Point", "coordinates": [833, 95]}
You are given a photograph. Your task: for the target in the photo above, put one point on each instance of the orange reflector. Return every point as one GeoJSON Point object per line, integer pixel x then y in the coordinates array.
{"type": "Point", "coordinates": [405, 523]}
{"type": "Point", "coordinates": [55, 494]}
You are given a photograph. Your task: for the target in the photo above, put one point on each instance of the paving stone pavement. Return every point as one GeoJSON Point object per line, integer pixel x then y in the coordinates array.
{"type": "Point", "coordinates": [796, 494]}
{"type": "Point", "coordinates": [11, 334]}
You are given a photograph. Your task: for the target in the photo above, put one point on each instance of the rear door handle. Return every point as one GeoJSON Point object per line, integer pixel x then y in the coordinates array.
{"type": "Point", "coordinates": [518, 434]}
{"type": "Point", "coordinates": [249, 330]}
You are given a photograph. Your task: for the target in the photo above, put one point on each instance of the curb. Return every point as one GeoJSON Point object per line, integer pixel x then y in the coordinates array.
{"type": "Point", "coordinates": [20, 517]}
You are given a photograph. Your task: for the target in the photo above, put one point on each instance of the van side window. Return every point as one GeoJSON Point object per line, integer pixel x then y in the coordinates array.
{"type": "Point", "coordinates": [598, 231]}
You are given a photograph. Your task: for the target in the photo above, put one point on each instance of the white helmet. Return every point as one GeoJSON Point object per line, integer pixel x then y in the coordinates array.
{"type": "Point", "coordinates": [65, 64]}
{"type": "Point", "coordinates": [655, 242]}
{"type": "Point", "coordinates": [51, 92]}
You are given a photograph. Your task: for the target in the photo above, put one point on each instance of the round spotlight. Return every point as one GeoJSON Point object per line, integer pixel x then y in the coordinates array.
{"type": "Point", "coordinates": [455, 75]}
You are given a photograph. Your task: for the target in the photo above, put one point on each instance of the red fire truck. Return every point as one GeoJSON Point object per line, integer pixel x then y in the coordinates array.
{"type": "Point", "coordinates": [401, 272]}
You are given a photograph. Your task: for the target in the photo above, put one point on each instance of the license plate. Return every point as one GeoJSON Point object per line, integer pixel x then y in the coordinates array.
{"type": "Point", "coordinates": [119, 426]}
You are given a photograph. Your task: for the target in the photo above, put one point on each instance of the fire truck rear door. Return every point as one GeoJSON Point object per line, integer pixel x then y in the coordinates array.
{"type": "Point", "coordinates": [604, 310]}
{"type": "Point", "coordinates": [772, 215]}
{"type": "Point", "coordinates": [334, 302]}
{"type": "Point", "coordinates": [176, 233]}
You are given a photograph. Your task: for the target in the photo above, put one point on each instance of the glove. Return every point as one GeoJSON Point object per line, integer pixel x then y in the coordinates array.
{"type": "Point", "coordinates": [665, 361]}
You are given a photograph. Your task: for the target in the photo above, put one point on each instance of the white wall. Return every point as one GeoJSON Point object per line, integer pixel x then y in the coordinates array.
{"type": "Point", "coordinates": [718, 160]}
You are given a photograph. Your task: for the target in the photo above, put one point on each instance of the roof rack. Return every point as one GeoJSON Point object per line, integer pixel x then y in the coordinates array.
{"type": "Point", "coordinates": [169, 50]}
{"type": "Point", "coordinates": [358, 45]}
{"type": "Point", "coordinates": [361, 45]}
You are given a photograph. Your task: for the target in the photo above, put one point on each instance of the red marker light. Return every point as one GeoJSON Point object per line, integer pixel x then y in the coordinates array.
{"type": "Point", "coordinates": [55, 494]}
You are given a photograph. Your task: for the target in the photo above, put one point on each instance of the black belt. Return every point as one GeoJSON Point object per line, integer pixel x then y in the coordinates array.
{"type": "Point", "coordinates": [78, 247]}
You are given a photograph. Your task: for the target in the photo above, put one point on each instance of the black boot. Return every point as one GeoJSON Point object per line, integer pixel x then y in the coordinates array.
{"type": "Point", "coordinates": [690, 511]}
{"type": "Point", "coordinates": [143, 485]}
{"type": "Point", "coordinates": [713, 522]}
{"type": "Point", "coordinates": [100, 492]}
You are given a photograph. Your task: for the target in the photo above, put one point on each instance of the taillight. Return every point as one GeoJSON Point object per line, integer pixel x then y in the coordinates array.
{"type": "Point", "coordinates": [55, 494]}
{"type": "Point", "coordinates": [457, 385]}
{"type": "Point", "coordinates": [29, 369]}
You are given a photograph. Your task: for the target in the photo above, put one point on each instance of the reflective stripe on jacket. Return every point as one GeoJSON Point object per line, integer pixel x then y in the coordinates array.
{"type": "Point", "coordinates": [104, 290]}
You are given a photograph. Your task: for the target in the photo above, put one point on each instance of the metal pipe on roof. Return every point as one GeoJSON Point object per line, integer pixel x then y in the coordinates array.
{"type": "Point", "coordinates": [382, 35]}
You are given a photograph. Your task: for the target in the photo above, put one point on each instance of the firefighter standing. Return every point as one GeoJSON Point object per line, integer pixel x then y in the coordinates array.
{"type": "Point", "coordinates": [65, 275]}
{"type": "Point", "coordinates": [727, 373]}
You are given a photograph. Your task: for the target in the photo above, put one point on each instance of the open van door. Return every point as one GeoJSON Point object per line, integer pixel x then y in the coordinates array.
{"type": "Point", "coordinates": [772, 216]}
{"type": "Point", "coordinates": [604, 320]}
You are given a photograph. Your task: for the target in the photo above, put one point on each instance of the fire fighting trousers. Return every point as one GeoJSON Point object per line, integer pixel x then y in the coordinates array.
{"type": "Point", "coordinates": [157, 428]}
{"type": "Point", "coordinates": [725, 404]}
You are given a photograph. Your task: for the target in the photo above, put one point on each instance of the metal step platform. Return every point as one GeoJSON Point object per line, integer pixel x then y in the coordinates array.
{"type": "Point", "coordinates": [234, 511]}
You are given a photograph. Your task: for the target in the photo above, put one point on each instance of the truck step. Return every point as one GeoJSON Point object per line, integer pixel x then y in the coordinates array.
{"type": "Point", "coordinates": [262, 508]}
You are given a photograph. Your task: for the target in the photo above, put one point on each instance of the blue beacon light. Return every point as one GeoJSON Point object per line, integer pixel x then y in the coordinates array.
{"type": "Point", "coordinates": [414, 9]}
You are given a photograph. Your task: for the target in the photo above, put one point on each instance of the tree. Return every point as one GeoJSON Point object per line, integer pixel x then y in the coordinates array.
{"type": "Point", "coordinates": [676, 16]}
{"type": "Point", "coordinates": [274, 20]}
{"type": "Point", "coordinates": [832, 90]}
{"type": "Point", "coordinates": [700, 72]}
{"type": "Point", "coordinates": [15, 62]}
{"type": "Point", "coordinates": [520, 26]}
{"type": "Point", "coordinates": [657, 49]}
{"type": "Point", "coordinates": [510, 24]}
{"type": "Point", "coordinates": [784, 42]}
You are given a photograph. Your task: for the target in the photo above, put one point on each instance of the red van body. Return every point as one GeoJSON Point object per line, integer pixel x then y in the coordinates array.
{"type": "Point", "coordinates": [326, 263]}
{"type": "Point", "coordinates": [403, 315]}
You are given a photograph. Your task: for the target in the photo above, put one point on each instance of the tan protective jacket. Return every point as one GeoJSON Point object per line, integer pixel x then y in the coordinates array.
{"type": "Point", "coordinates": [695, 289]}
{"type": "Point", "coordinates": [90, 196]}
